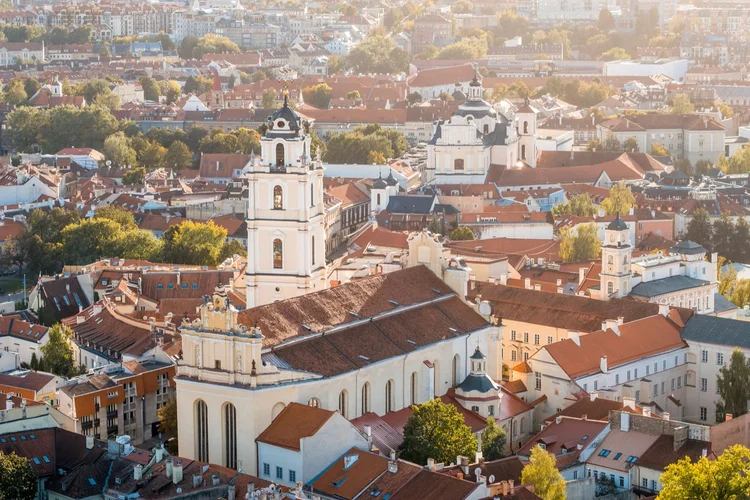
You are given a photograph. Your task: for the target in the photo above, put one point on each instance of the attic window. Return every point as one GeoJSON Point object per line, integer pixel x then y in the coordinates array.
{"type": "Point", "coordinates": [36, 461]}
{"type": "Point", "coordinates": [31, 436]}
{"type": "Point", "coordinates": [184, 285]}
{"type": "Point", "coordinates": [160, 285]}
{"type": "Point", "coordinates": [604, 453]}
{"type": "Point", "coordinates": [631, 459]}
{"type": "Point", "coordinates": [617, 457]}
{"type": "Point", "coordinates": [170, 286]}
{"type": "Point", "coordinates": [195, 285]}
{"type": "Point", "coordinates": [46, 459]}
{"type": "Point", "coordinates": [92, 482]}
{"type": "Point", "coordinates": [104, 282]}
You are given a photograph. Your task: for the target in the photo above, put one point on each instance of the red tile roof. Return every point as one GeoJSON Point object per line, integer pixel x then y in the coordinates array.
{"type": "Point", "coordinates": [442, 76]}
{"type": "Point", "coordinates": [222, 165]}
{"type": "Point", "coordinates": [294, 423]}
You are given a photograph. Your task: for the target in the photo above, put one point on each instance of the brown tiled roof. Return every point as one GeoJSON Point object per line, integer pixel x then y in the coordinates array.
{"type": "Point", "coordinates": [549, 249]}
{"type": "Point", "coordinates": [616, 170]}
{"type": "Point", "coordinates": [384, 437]}
{"type": "Point", "coordinates": [19, 329]}
{"type": "Point", "coordinates": [560, 159]}
{"type": "Point", "coordinates": [63, 296]}
{"type": "Point", "coordinates": [515, 386]}
{"type": "Point", "coordinates": [222, 165]}
{"type": "Point", "coordinates": [637, 339]}
{"type": "Point", "coordinates": [356, 115]}
{"type": "Point", "coordinates": [561, 310]}
{"type": "Point", "coordinates": [349, 194]}
{"type": "Point", "coordinates": [295, 422]}
{"type": "Point", "coordinates": [662, 452]}
{"type": "Point", "coordinates": [33, 381]}
{"type": "Point", "coordinates": [157, 222]}
{"type": "Point", "coordinates": [379, 238]}
{"type": "Point", "coordinates": [325, 309]}
{"type": "Point", "coordinates": [687, 122]}
{"type": "Point", "coordinates": [628, 443]}
{"type": "Point", "coordinates": [11, 229]}
{"type": "Point", "coordinates": [564, 437]}
{"type": "Point", "coordinates": [596, 409]}
{"type": "Point", "coordinates": [434, 486]}
{"type": "Point", "coordinates": [442, 76]}
{"type": "Point", "coordinates": [338, 482]}
{"type": "Point", "coordinates": [183, 284]}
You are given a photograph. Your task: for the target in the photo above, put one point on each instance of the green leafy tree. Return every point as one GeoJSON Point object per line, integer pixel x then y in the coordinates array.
{"type": "Point", "coordinates": [723, 235]}
{"type": "Point", "coordinates": [727, 278]}
{"type": "Point", "coordinates": [741, 293]}
{"type": "Point", "coordinates": [699, 229]}
{"type": "Point", "coordinates": [248, 140]}
{"type": "Point", "coordinates": [659, 150]}
{"type": "Point", "coordinates": [614, 54]}
{"type": "Point", "coordinates": [116, 214]}
{"type": "Point", "coordinates": [168, 423]}
{"type": "Point", "coordinates": [740, 241]}
{"type": "Point", "coordinates": [97, 91]}
{"type": "Point", "coordinates": [580, 245]}
{"type": "Point", "coordinates": [139, 244]}
{"type": "Point", "coordinates": [493, 441]}
{"type": "Point", "coordinates": [197, 85]}
{"type": "Point", "coordinates": [90, 240]}
{"type": "Point", "coordinates": [231, 248]}
{"type": "Point", "coordinates": [117, 149]}
{"type": "Point", "coordinates": [681, 105]}
{"type": "Point", "coordinates": [25, 125]}
{"type": "Point", "coordinates": [630, 145]}
{"type": "Point", "coordinates": [318, 95]}
{"type": "Point", "coordinates": [83, 127]}
{"type": "Point", "coordinates": [268, 99]}
{"type": "Point", "coordinates": [468, 48]}
{"type": "Point", "coordinates": [462, 233]}
{"type": "Point", "coordinates": [428, 52]}
{"type": "Point", "coordinates": [541, 471]}
{"type": "Point", "coordinates": [15, 92]}
{"type": "Point", "coordinates": [259, 76]}
{"type": "Point", "coordinates": [135, 175]}
{"type": "Point", "coordinates": [334, 65]}
{"type": "Point", "coordinates": [684, 166]}
{"type": "Point", "coordinates": [727, 477]}
{"type": "Point", "coordinates": [40, 246]}
{"type": "Point", "coordinates": [376, 158]}
{"type": "Point", "coordinates": [178, 156]}
{"type": "Point", "coordinates": [353, 95]}
{"type": "Point", "coordinates": [194, 243]}
{"type": "Point", "coordinates": [725, 109]}
{"type": "Point", "coordinates": [218, 142]}
{"type": "Point", "coordinates": [193, 137]}
{"type": "Point", "coordinates": [733, 384]}
{"type": "Point", "coordinates": [151, 90]}
{"type": "Point", "coordinates": [208, 44]}
{"type": "Point", "coordinates": [152, 156]}
{"type": "Point", "coordinates": [414, 98]}
{"type": "Point", "coordinates": [436, 430]}
{"type": "Point", "coordinates": [580, 205]}
{"type": "Point", "coordinates": [611, 143]}
{"type": "Point", "coordinates": [58, 352]}
{"type": "Point", "coordinates": [17, 478]}
{"type": "Point", "coordinates": [606, 20]}
{"type": "Point", "coordinates": [356, 146]}
{"type": "Point", "coordinates": [594, 145]}
{"type": "Point", "coordinates": [619, 201]}
{"type": "Point", "coordinates": [377, 54]}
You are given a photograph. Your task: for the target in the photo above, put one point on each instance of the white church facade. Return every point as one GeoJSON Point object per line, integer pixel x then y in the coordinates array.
{"type": "Point", "coordinates": [477, 136]}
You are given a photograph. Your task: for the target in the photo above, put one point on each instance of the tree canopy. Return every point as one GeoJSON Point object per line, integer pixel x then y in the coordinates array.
{"type": "Point", "coordinates": [681, 105]}
{"type": "Point", "coordinates": [581, 244]}
{"type": "Point", "coordinates": [727, 477]}
{"type": "Point", "coordinates": [733, 384]}
{"type": "Point", "coordinates": [580, 205]}
{"type": "Point", "coordinates": [700, 230]}
{"type": "Point", "coordinates": [436, 430]}
{"type": "Point", "coordinates": [542, 472]}
{"type": "Point", "coordinates": [318, 95]}
{"type": "Point", "coordinates": [619, 201]}
{"type": "Point", "coordinates": [462, 233]}
{"type": "Point", "coordinates": [17, 479]}
{"type": "Point", "coordinates": [493, 441]}
{"type": "Point", "coordinates": [356, 146]}
{"type": "Point", "coordinates": [57, 353]}
{"type": "Point", "coordinates": [194, 243]}
{"type": "Point", "coordinates": [377, 54]}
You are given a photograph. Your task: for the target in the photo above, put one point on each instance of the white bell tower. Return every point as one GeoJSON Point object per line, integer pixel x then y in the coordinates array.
{"type": "Point", "coordinates": [616, 275]}
{"type": "Point", "coordinates": [286, 214]}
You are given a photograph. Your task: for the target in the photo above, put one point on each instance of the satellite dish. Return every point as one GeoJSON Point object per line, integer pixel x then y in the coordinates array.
{"type": "Point", "coordinates": [492, 479]}
{"type": "Point", "coordinates": [477, 471]}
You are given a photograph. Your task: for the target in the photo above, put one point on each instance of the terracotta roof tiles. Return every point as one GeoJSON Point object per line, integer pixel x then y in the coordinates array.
{"type": "Point", "coordinates": [294, 423]}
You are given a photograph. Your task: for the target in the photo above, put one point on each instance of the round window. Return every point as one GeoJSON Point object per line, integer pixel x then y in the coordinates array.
{"type": "Point", "coordinates": [280, 124]}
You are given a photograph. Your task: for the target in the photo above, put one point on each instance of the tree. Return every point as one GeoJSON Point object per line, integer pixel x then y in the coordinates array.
{"type": "Point", "coordinates": [85, 127]}
{"type": "Point", "coordinates": [90, 240]}
{"type": "Point", "coordinates": [259, 76]}
{"type": "Point", "coordinates": [630, 145]}
{"type": "Point", "coordinates": [58, 352]}
{"type": "Point", "coordinates": [614, 54]}
{"type": "Point", "coordinates": [377, 54]}
{"type": "Point", "coordinates": [580, 205]}
{"type": "Point", "coordinates": [606, 20]}
{"type": "Point", "coordinates": [727, 477]}
{"type": "Point", "coordinates": [611, 143]}
{"type": "Point", "coordinates": [334, 65]}
{"type": "Point", "coordinates": [659, 150]}
{"type": "Point", "coordinates": [116, 214]}
{"type": "Point", "coordinates": [699, 229]}
{"type": "Point", "coordinates": [723, 235]}
{"type": "Point", "coordinates": [152, 156]}
{"type": "Point", "coordinates": [97, 91]}
{"type": "Point", "coordinates": [135, 175]}
{"type": "Point", "coordinates": [466, 48]}
{"type": "Point", "coordinates": [196, 85]}
{"type": "Point", "coordinates": [268, 99]}
{"type": "Point", "coordinates": [318, 95]}
{"type": "Point", "coordinates": [702, 167]}
{"type": "Point", "coordinates": [428, 52]}
{"type": "Point", "coordinates": [462, 7]}
{"type": "Point", "coordinates": [594, 145]}
{"type": "Point", "coordinates": [17, 479]}
{"type": "Point", "coordinates": [462, 233]}
{"type": "Point", "coordinates": [353, 95]}
{"type": "Point", "coordinates": [414, 98]}
{"type": "Point", "coordinates": [15, 92]}
{"type": "Point", "coordinates": [740, 241]}
{"type": "Point", "coordinates": [117, 149]}
{"type": "Point", "coordinates": [726, 110]}
{"type": "Point", "coordinates": [218, 142]}
{"type": "Point", "coordinates": [619, 201]}
{"type": "Point", "coordinates": [40, 246]}
{"type": "Point", "coordinates": [194, 243]}
{"type": "Point", "coordinates": [178, 156]}
{"type": "Point", "coordinates": [733, 384]}
{"type": "Point", "coordinates": [542, 472]}
{"type": "Point", "coordinates": [681, 105]}
{"type": "Point", "coordinates": [172, 91]}
{"type": "Point", "coordinates": [580, 245]}
{"type": "Point", "coordinates": [436, 430]}
{"type": "Point", "coordinates": [248, 140]}
{"type": "Point", "coordinates": [358, 146]}
{"type": "Point", "coordinates": [25, 125]}
{"type": "Point", "coordinates": [151, 89]}
{"type": "Point", "coordinates": [232, 248]}
{"type": "Point", "coordinates": [376, 158]}
{"type": "Point", "coordinates": [493, 441]}
{"type": "Point", "coordinates": [168, 423]}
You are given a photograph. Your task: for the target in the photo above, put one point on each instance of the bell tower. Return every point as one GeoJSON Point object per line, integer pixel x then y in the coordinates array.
{"type": "Point", "coordinates": [616, 274]}
{"type": "Point", "coordinates": [286, 215]}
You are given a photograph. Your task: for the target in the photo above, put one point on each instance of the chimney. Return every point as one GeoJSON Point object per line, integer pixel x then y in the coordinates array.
{"type": "Point", "coordinates": [625, 421]}
{"type": "Point", "coordinates": [176, 474]}
{"type": "Point", "coordinates": [727, 417]}
{"type": "Point", "coordinates": [478, 457]}
{"type": "Point", "coordinates": [503, 279]}
{"type": "Point", "coordinates": [537, 287]}
{"type": "Point", "coordinates": [631, 211]}
{"type": "Point", "coordinates": [368, 435]}
{"type": "Point", "coordinates": [575, 337]}
{"type": "Point", "coordinates": [593, 395]}
{"type": "Point", "coordinates": [431, 464]}
{"type": "Point", "coordinates": [506, 488]}
{"type": "Point", "coordinates": [138, 472]}
{"type": "Point", "coordinates": [581, 274]}
{"type": "Point", "coordinates": [89, 442]}
{"type": "Point", "coordinates": [67, 288]}
{"type": "Point", "coordinates": [527, 283]}
{"type": "Point", "coordinates": [665, 415]}
{"type": "Point", "coordinates": [392, 466]}
{"type": "Point", "coordinates": [603, 364]}
{"type": "Point", "coordinates": [169, 467]}
{"type": "Point", "coordinates": [558, 420]}
{"type": "Point", "coordinates": [628, 402]}
{"type": "Point", "coordinates": [646, 411]}
{"type": "Point", "coordinates": [653, 214]}
{"type": "Point", "coordinates": [559, 282]}
{"type": "Point", "coordinates": [663, 310]}
{"type": "Point", "coordinates": [159, 452]}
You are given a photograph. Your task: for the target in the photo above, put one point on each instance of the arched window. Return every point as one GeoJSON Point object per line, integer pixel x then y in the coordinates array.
{"type": "Point", "coordinates": [201, 431]}
{"type": "Point", "coordinates": [523, 425]}
{"type": "Point", "coordinates": [455, 374]}
{"type": "Point", "coordinates": [230, 436]}
{"type": "Point", "coordinates": [525, 127]}
{"type": "Point", "coordinates": [625, 260]}
{"type": "Point", "coordinates": [413, 387]}
{"type": "Point", "coordinates": [278, 198]}
{"type": "Point", "coordinates": [278, 254]}
{"type": "Point", "coordinates": [610, 288]}
{"type": "Point", "coordinates": [312, 195]}
{"type": "Point", "coordinates": [366, 398]}
{"type": "Point", "coordinates": [458, 164]}
{"type": "Point", "coordinates": [342, 403]}
{"type": "Point", "coordinates": [280, 155]}
{"type": "Point", "coordinates": [277, 408]}
{"type": "Point", "coordinates": [378, 199]}
{"type": "Point", "coordinates": [610, 259]}
{"type": "Point", "coordinates": [312, 250]}
{"type": "Point", "coordinates": [486, 129]}
{"type": "Point", "coordinates": [523, 151]}
{"type": "Point", "coordinates": [436, 379]}
{"type": "Point", "coordinates": [314, 402]}
{"type": "Point", "coordinates": [389, 396]}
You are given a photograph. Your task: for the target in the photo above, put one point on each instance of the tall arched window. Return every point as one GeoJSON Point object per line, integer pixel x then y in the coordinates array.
{"type": "Point", "coordinates": [278, 198]}
{"type": "Point", "coordinates": [625, 260]}
{"type": "Point", "coordinates": [486, 129]}
{"type": "Point", "coordinates": [413, 387]}
{"type": "Point", "coordinates": [610, 288]}
{"type": "Point", "coordinates": [458, 164]}
{"type": "Point", "coordinates": [314, 402]}
{"type": "Point", "coordinates": [436, 379]}
{"type": "Point", "coordinates": [610, 259]}
{"type": "Point", "coordinates": [312, 195]}
{"type": "Point", "coordinates": [230, 436]}
{"type": "Point", "coordinates": [389, 396]}
{"type": "Point", "coordinates": [342, 403]}
{"type": "Point", "coordinates": [523, 151]}
{"type": "Point", "coordinates": [366, 398]}
{"type": "Point", "coordinates": [278, 254]}
{"type": "Point", "coordinates": [280, 155]}
{"type": "Point", "coordinates": [378, 199]}
{"type": "Point", "coordinates": [456, 370]}
{"type": "Point", "coordinates": [525, 127]}
{"type": "Point", "coordinates": [201, 431]}
{"type": "Point", "coordinates": [312, 249]}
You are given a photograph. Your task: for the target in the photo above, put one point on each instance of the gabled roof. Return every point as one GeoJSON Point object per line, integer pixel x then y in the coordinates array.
{"type": "Point", "coordinates": [662, 452]}
{"type": "Point", "coordinates": [636, 340]}
{"type": "Point", "coordinates": [564, 437]}
{"type": "Point", "coordinates": [294, 423]}
{"type": "Point", "coordinates": [33, 381]}
{"type": "Point", "coordinates": [717, 330]}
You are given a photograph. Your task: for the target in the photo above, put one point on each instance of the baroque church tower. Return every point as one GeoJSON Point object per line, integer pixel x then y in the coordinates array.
{"type": "Point", "coordinates": [286, 215]}
{"type": "Point", "coordinates": [616, 274]}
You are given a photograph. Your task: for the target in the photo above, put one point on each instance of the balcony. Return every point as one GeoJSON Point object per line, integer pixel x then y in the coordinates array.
{"type": "Point", "coordinates": [87, 425]}
{"type": "Point", "coordinates": [96, 422]}
{"type": "Point", "coordinates": [112, 430]}
{"type": "Point", "coordinates": [112, 414]}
